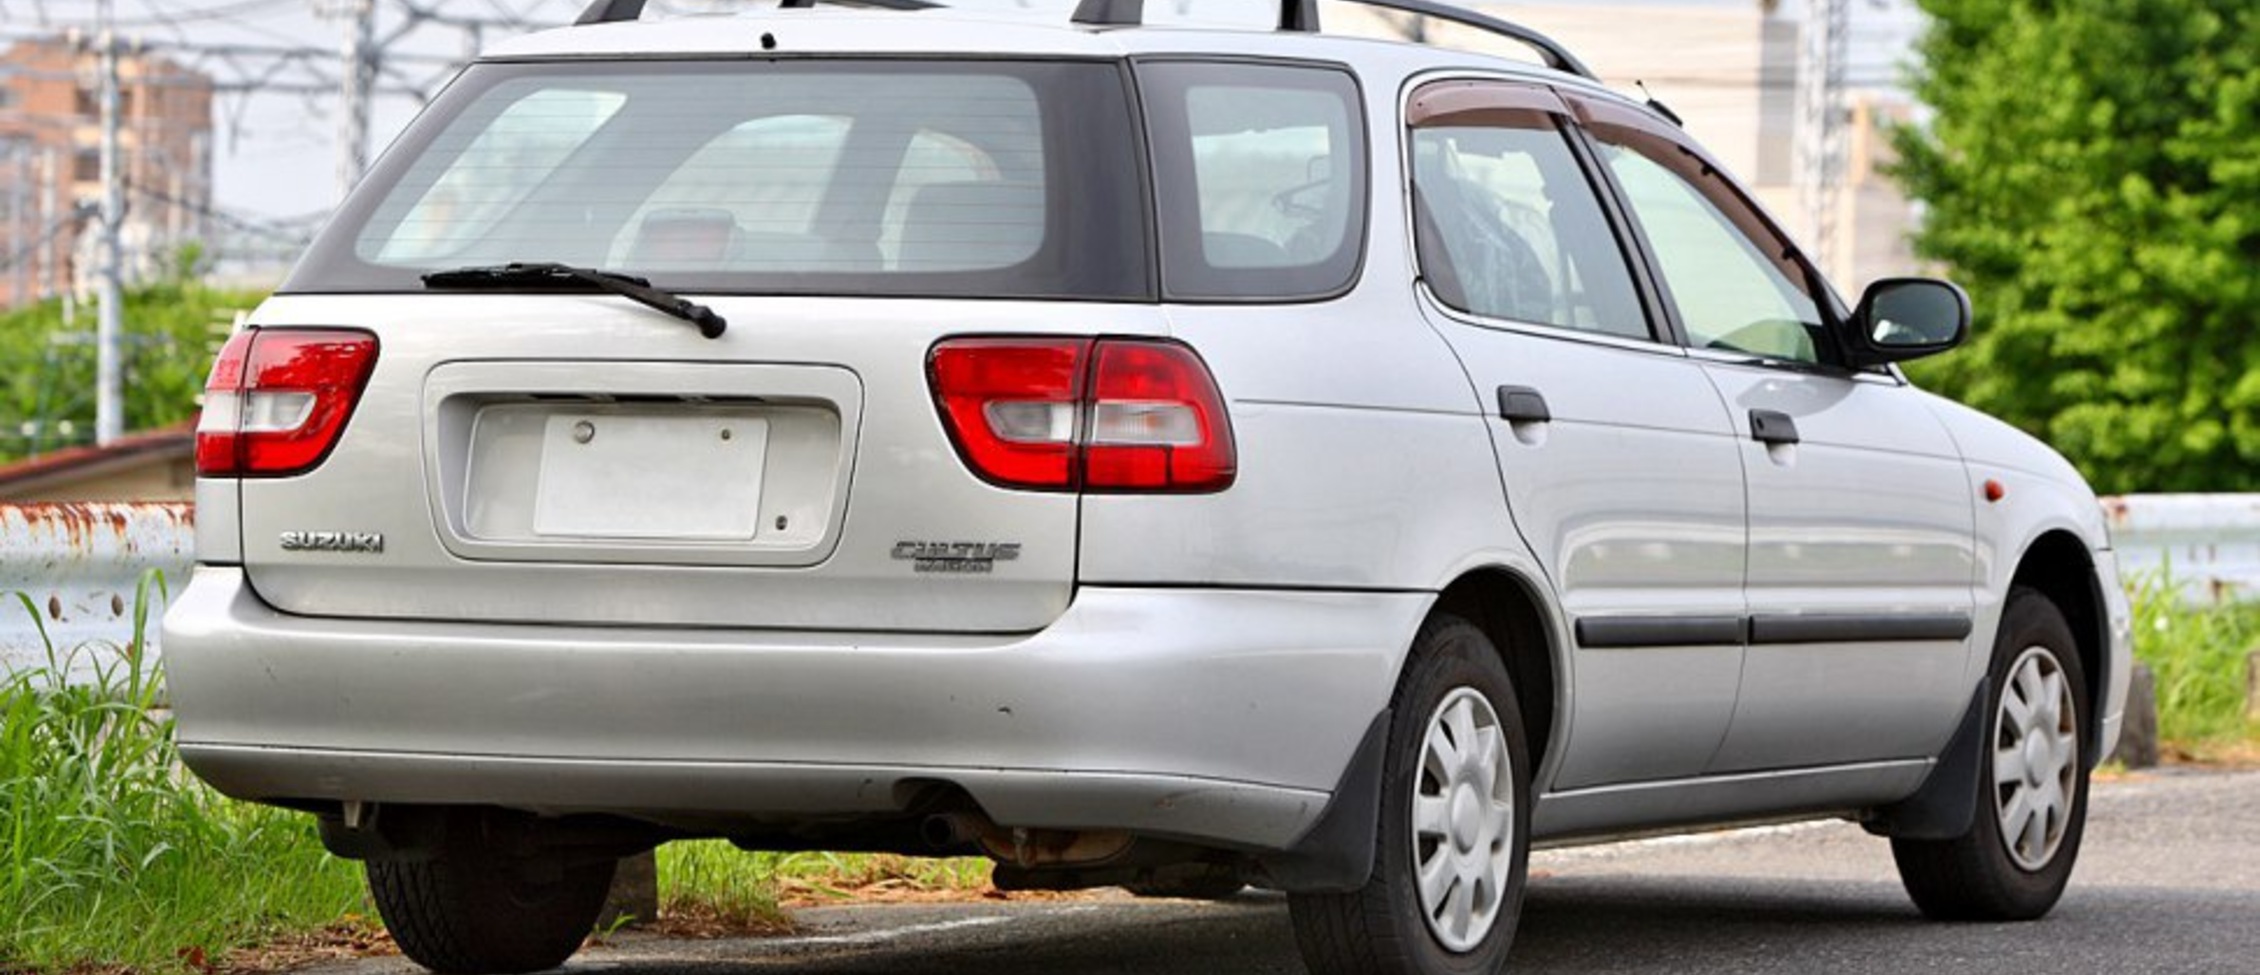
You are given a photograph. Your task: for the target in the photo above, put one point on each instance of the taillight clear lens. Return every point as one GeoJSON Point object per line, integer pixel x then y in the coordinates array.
{"type": "Point", "coordinates": [1114, 415]}
{"type": "Point", "coordinates": [279, 399]}
{"type": "Point", "coordinates": [1157, 423]}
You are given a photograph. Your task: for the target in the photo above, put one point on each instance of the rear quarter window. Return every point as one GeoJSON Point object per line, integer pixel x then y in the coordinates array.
{"type": "Point", "coordinates": [1260, 176]}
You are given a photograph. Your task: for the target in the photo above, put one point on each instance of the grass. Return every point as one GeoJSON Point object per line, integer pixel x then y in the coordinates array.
{"type": "Point", "coordinates": [2198, 657]}
{"type": "Point", "coordinates": [112, 855]}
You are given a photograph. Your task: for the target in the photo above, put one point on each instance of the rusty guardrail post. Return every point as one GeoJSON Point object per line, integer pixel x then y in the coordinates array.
{"type": "Point", "coordinates": [2252, 686]}
{"type": "Point", "coordinates": [2138, 738]}
{"type": "Point", "coordinates": [634, 898]}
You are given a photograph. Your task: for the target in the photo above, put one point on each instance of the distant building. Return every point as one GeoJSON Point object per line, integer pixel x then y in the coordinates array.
{"type": "Point", "coordinates": [51, 164]}
{"type": "Point", "coordinates": [1876, 222]}
{"type": "Point", "coordinates": [156, 466]}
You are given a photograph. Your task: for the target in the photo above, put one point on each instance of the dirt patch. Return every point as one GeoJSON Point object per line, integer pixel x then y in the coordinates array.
{"type": "Point", "coordinates": [353, 937]}
{"type": "Point", "coordinates": [895, 891]}
{"type": "Point", "coordinates": [2230, 756]}
{"type": "Point", "coordinates": [698, 923]}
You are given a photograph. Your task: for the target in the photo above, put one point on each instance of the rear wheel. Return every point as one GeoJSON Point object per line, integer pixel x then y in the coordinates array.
{"type": "Point", "coordinates": [1454, 844]}
{"type": "Point", "coordinates": [2032, 805]}
{"type": "Point", "coordinates": [472, 908]}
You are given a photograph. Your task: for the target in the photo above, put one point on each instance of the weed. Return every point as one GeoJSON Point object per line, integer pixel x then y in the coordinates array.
{"type": "Point", "coordinates": [113, 855]}
{"type": "Point", "coordinates": [712, 885]}
{"type": "Point", "coordinates": [2197, 655]}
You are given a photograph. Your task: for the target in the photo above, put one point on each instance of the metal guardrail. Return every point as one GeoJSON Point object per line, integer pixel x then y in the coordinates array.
{"type": "Point", "coordinates": [2205, 545]}
{"type": "Point", "coordinates": [79, 566]}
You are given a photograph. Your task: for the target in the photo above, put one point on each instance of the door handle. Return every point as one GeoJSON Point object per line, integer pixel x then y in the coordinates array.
{"type": "Point", "coordinates": [1522, 404]}
{"type": "Point", "coordinates": [1772, 427]}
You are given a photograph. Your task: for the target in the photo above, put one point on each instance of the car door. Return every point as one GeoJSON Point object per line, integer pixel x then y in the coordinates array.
{"type": "Point", "coordinates": [1861, 532]}
{"type": "Point", "coordinates": [1617, 455]}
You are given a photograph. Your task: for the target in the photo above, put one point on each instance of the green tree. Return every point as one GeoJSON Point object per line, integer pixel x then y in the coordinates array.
{"type": "Point", "coordinates": [47, 367]}
{"type": "Point", "coordinates": [2092, 175]}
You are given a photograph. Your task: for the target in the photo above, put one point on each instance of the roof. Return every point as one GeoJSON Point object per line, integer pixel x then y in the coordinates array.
{"type": "Point", "coordinates": [826, 30]}
{"type": "Point", "coordinates": [79, 463]}
{"type": "Point", "coordinates": [768, 32]}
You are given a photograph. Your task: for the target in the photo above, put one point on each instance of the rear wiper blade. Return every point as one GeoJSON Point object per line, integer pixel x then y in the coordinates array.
{"type": "Point", "coordinates": [549, 274]}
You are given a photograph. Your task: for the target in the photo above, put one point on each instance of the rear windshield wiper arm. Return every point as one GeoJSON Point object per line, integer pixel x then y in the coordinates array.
{"type": "Point", "coordinates": [555, 275]}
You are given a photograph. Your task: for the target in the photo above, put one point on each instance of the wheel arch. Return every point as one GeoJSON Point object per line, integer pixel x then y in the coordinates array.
{"type": "Point", "coordinates": [2059, 565]}
{"type": "Point", "coordinates": [1512, 611]}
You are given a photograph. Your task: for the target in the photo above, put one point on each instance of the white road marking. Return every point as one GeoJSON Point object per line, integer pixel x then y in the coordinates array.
{"type": "Point", "coordinates": [884, 935]}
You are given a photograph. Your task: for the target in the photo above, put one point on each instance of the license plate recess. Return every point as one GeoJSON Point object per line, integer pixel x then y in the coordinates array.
{"type": "Point", "coordinates": [662, 476]}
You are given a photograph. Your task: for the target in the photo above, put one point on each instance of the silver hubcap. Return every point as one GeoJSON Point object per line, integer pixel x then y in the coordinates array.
{"type": "Point", "coordinates": [2035, 758]}
{"type": "Point", "coordinates": [1463, 820]}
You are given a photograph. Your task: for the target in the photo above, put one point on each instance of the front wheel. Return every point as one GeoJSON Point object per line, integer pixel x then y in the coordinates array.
{"type": "Point", "coordinates": [2013, 863]}
{"type": "Point", "coordinates": [1454, 845]}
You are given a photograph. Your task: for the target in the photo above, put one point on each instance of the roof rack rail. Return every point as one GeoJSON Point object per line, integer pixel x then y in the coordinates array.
{"type": "Point", "coordinates": [1302, 16]}
{"type": "Point", "coordinates": [615, 11]}
{"type": "Point", "coordinates": [1294, 15]}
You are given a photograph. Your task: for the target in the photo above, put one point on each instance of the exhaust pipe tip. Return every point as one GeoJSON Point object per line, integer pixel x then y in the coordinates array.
{"type": "Point", "coordinates": [950, 831]}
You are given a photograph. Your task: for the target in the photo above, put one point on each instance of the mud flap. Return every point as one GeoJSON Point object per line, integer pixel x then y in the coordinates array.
{"type": "Point", "coordinates": [1336, 854]}
{"type": "Point", "coordinates": [1945, 806]}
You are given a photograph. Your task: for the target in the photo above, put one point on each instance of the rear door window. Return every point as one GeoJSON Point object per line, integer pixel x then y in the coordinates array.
{"type": "Point", "coordinates": [1260, 173]}
{"type": "Point", "coordinates": [1506, 222]}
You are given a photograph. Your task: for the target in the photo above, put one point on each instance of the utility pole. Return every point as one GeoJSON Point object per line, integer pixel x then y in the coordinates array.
{"type": "Point", "coordinates": [109, 380]}
{"type": "Point", "coordinates": [357, 82]}
{"type": "Point", "coordinates": [19, 199]}
{"type": "Point", "coordinates": [50, 179]}
{"type": "Point", "coordinates": [1824, 48]}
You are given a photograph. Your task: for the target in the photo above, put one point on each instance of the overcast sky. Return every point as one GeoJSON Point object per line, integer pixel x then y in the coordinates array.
{"type": "Point", "coordinates": [275, 155]}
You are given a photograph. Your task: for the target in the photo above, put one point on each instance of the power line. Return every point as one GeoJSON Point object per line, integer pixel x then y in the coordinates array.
{"type": "Point", "coordinates": [54, 230]}
{"type": "Point", "coordinates": [273, 230]}
{"type": "Point", "coordinates": [161, 18]}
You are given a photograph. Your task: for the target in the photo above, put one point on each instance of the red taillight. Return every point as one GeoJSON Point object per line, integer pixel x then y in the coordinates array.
{"type": "Point", "coordinates": [279, 398]}
{"type": "Point", "coordinates": [1106, 415]}
{"type": "Point", "coordinates": [1011, 405]}
{"type": "Point", "coordinates": [1156, 422]}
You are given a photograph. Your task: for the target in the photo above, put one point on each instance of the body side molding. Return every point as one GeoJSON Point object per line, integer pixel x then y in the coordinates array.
{"type": "Point", "coordinates": [1628, 632]}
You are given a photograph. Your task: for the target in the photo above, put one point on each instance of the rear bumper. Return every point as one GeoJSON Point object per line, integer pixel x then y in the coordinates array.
{"type": "Point", "coordinates": [1223, 716]}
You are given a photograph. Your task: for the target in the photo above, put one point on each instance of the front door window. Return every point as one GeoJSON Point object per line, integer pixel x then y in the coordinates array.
{"type": "Point", "coordinates": [1737, 284]}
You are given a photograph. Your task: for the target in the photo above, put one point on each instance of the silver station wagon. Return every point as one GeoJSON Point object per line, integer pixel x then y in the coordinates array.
{"type": "Point", "coordinates": [1171, 458]}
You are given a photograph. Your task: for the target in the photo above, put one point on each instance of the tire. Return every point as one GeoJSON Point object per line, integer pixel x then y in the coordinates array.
{"type": "Point", "coordinates": [1454, 683]}
{"type": "Point", "coordinates": [1213, 885]}
{"type": "Point", "coordinates": [470, 909]}
{"type": "Point", "coordinates": [2014, 862]}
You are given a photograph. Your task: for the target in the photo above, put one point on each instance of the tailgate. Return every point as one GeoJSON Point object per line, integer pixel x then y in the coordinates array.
{"type": "Point", "coordinates": [792, 474]}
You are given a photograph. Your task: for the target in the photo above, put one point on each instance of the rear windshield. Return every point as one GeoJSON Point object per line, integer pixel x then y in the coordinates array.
{"type": "Point", "coordinates": [838, 177]}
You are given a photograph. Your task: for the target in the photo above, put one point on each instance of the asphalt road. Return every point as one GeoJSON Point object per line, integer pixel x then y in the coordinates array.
{"type": "Point", "coordinates": [2169, 882]}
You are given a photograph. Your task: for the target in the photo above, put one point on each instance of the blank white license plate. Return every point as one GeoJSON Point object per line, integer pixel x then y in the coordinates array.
{"type": "Point", "coordinates": [695, 478]}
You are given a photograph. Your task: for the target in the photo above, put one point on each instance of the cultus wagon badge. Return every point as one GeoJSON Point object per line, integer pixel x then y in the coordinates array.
{"type": "Point", "coordinates": [973, 558]}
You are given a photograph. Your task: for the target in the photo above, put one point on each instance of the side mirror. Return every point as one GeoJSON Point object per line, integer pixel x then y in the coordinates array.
{"type": "Point", "coordinates": [1906, 318]}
